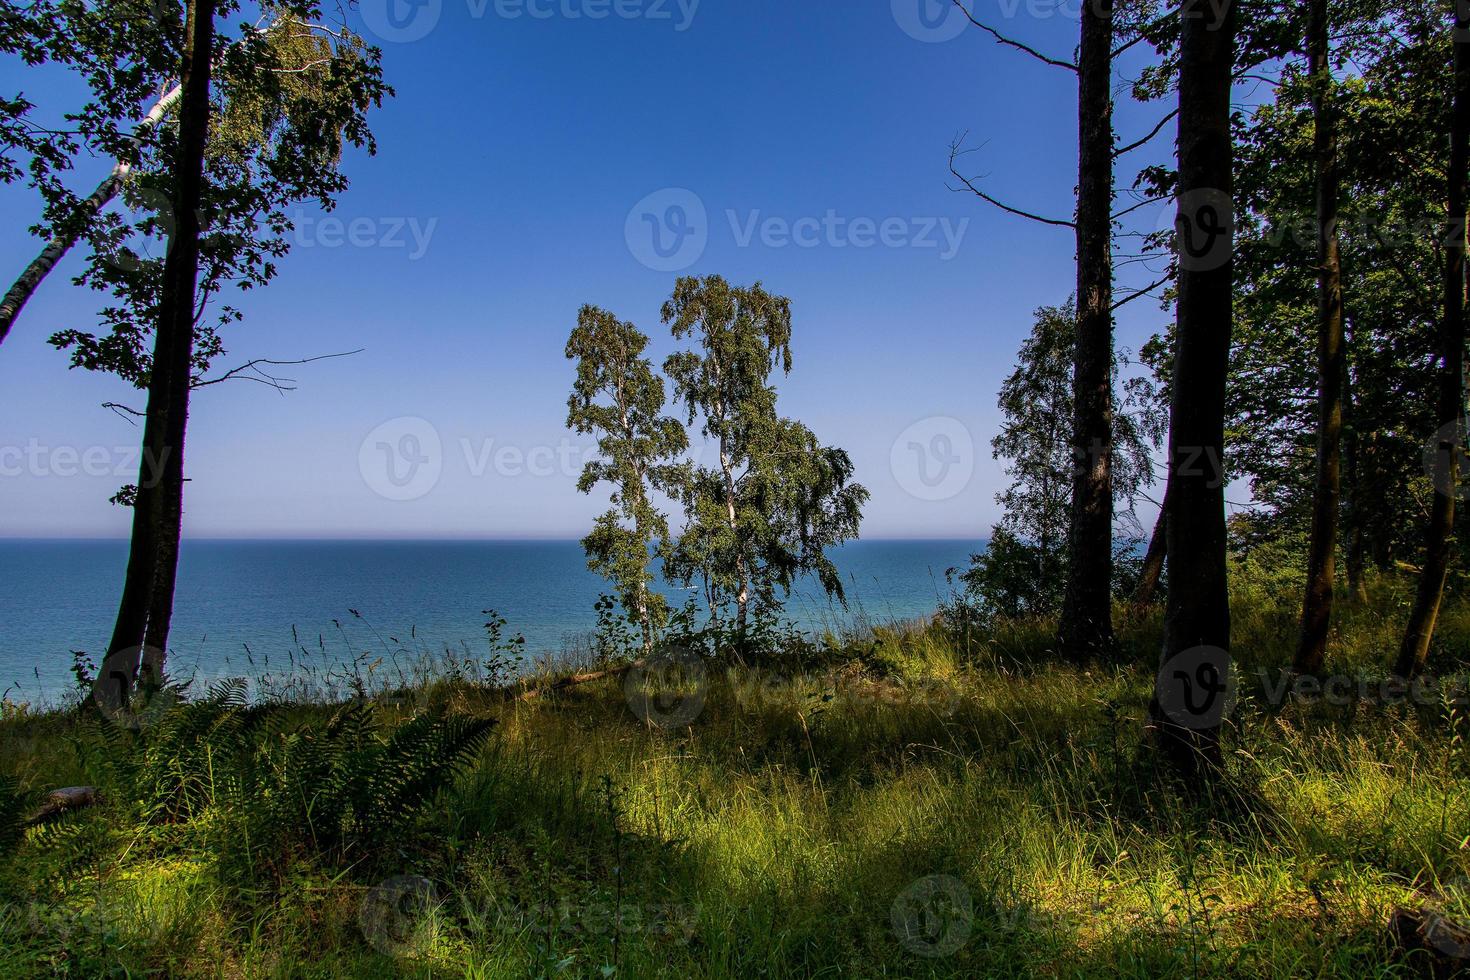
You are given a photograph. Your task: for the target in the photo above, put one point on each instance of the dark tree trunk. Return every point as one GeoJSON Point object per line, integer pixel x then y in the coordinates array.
{"type": "Point", "coordinates": [180, 287]}
{"type": "Point", "coordinates": [1086, 627]}
{"type": "Point", "coordinates": [1311, 651]}
{"type": "Point", "coordinates": [124, 651]}
{"type": "Point", "coordinates": [147, 601]}
{"type": "Point", "coordinates": [1153, 559]}
{"type": "Point", "coordinates": [1356, 551]}
{"type": "Point", "coordinates": [1196, 646]}
{"type": "Point", "coordinates": [1438, 536]}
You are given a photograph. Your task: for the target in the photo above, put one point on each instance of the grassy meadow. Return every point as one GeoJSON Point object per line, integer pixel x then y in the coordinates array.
{"type": "Point", "coordinates": [900, 801]}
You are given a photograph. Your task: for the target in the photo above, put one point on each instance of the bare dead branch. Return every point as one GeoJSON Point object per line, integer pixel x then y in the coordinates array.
{"type": "Point", "coordinates": [1141, 204]}
{"type": "Point", "coordinates": [1011, 42]}
{"type": "Point", "coordinates": [124, 411]}
{"type": "Point", "coordinates": [63, 800]}
{"type": "Point", "coordinates": [955, 152]}
{"type": "Point", "coordinates": [1152, 133]}
{"type": "Point", "coordinates": [1145, 291]}
{"type": "Point", "coordinates": [253, 371]}
{"type": "Point", "coordinates": [570, 680]}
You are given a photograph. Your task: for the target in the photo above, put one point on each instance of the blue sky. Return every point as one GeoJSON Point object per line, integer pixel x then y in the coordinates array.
{"type": "Point", "coordinates": [532, 150]}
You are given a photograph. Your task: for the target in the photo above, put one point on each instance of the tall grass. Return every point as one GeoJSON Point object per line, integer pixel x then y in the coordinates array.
{"type": "Point", "coordinates": [790, 830]}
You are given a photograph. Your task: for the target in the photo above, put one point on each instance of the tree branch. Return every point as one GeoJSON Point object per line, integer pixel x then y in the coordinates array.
{"type": "Point", "coordinates": [1141, 204]}
{"type": "Point", "coordinates": [252, 371]}
{"type": "Point", "coordinates": [955, 152]}
{"type": "Point", "coordinates": [1152, 133]}
{"type": "Point", "coordinates": [124, 411]}
{"type": "Point", "coordinates": [1145, 291]}
{"type": "Point", "coordinates": [1143, 30]}
{"type": "Point", "coordinates": [1011, 42]}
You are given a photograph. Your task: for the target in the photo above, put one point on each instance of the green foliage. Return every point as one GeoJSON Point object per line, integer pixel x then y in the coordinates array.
{"type": "Point", "coordinates": [287, 98]}
{"type": "Point", "coordinates": [1392, 69]}
{"type": "Point", "coordinates": [1023, 570]}
{"type": "Point", "coordinates": [618, 396]}
{"type": "Point", "coordinates": [12, 813]}
{"type": "Point", "coordinates": [339, 790]}
{"type": "Point", "coordinates": [777, 498]}
{"type": "Point", "coordinates": [507, 654]}
{"type": "Point", "coordinates": [614, 636]}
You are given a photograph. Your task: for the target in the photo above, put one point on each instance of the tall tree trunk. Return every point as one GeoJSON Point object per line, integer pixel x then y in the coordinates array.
{"type": "Point", "coordinates": [645, 617]}
{"type": "Point", "coordinates": [742, 573]}
{"type": "Point", "coordinates": [645, 622]}
{"type": "Point", "coordinates": [147, 603]}
{"type": "Point", "coordinates": [1356, 553]}
{"type": "Point", "coordinates": [1196, 647]}
{"type": "Point", "coordinates": [1311, 651]}
{"type": "Point", "coordinates": [125, 650]}
{"type": "Point", "coordinates": [1438, 536]}
{"type": "Point", "coordinates": [180, 288]}
{"type": "Point", "coordinates": [1086, 627]}
{"type": "Point", "coordinates": [1153, 558]}
{"type": "Point", "coordinates": [71, 231]}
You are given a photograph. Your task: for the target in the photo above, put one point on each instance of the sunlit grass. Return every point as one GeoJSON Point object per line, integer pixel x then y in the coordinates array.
{"type": "Point", "coordinates": [774, 834]}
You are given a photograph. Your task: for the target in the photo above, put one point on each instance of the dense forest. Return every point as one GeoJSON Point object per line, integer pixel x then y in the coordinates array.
{"type": "Point", "coordinates": [1226, 740]}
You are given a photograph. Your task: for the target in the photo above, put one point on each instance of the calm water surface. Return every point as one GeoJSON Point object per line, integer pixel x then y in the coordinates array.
{"type": "Point", "coordinates": [61, 596]}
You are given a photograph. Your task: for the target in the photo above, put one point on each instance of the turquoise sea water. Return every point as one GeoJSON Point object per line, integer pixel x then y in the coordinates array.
{"type": "Point", "coordinates": [232, 596]}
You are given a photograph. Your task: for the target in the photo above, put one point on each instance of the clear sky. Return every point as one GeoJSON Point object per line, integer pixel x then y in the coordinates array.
{"type": "Point", "coordinates": [533, 151]}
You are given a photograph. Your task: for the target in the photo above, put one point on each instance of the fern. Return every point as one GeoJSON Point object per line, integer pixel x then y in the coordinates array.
{"type": "Point", "coordinates": [12, 813]}
{"type": "Point", "coordinates": [173, 773]}
{"type": "Point", "coordinates": [340, 788]}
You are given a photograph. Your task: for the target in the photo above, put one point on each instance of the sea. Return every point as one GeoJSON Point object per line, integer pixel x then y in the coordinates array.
{"type": "Point", "coordinates": [250, 607]}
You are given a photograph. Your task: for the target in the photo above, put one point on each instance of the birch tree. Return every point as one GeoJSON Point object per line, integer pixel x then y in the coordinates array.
{"type": "Point", "coordinates": [777, 498]}
{"type": "Point", "coordinates": [617, 396]}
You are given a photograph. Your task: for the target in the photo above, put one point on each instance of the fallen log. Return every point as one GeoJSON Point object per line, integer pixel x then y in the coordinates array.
{"type": "Point", "coordinates": [1432, 945]}
{"type": "Point", "coordinates": [570, 680]}
{"type": "Point", "coordinates": [64, 800]}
